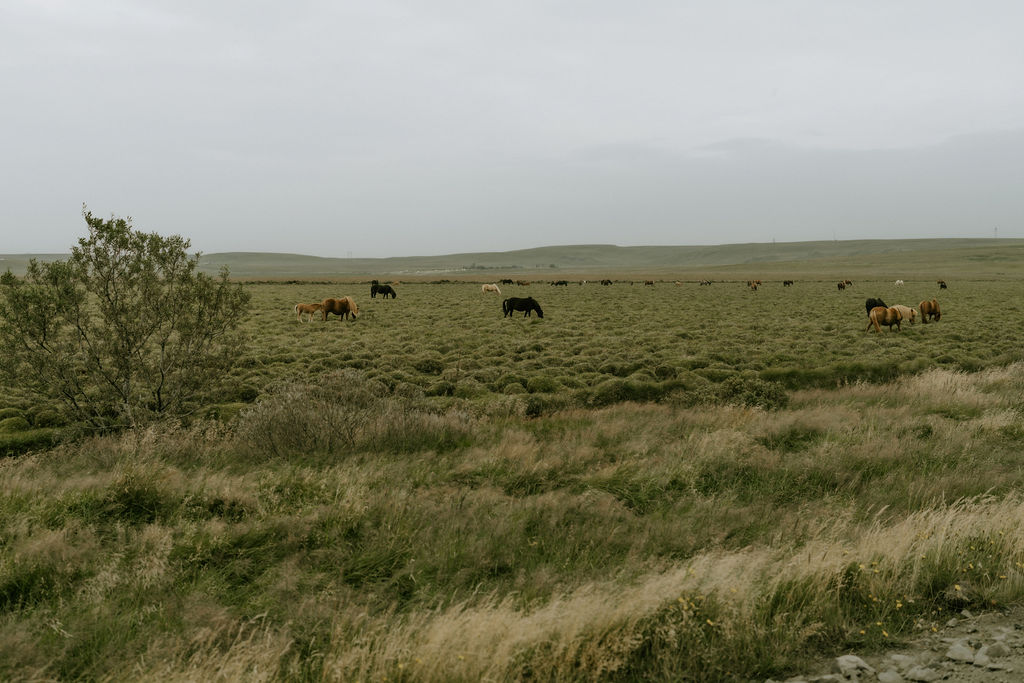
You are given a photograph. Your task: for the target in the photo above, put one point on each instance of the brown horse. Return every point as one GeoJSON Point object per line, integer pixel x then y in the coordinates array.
{"type": "Point", "coordinates": [344, 307]}
{"type": "Point", "coordinates": [929, 309]}
{"type": "Point", "coordinates": [310, 309]}
{"type": "Point", "coordinates": [884, 316]}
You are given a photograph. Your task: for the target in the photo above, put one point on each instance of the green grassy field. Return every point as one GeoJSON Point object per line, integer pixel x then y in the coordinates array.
{"type": "Point", "coordinates": [670, 482]}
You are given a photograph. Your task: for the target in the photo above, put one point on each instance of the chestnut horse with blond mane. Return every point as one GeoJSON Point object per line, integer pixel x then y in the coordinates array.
{"type": "Point", "coordinates": [343, 307]}
{"type": "Point", "coordinates": [884, 316]}
{"type": "Point", "coordinates": [929, 309]}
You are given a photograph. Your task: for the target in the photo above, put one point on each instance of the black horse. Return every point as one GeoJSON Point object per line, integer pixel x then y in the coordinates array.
{"type": "Point", "coordinates": [384, 290]}
{"type": "Point", "coordinates": [517, 304]}
{"type": "Point", "coordinates": [874, 303]}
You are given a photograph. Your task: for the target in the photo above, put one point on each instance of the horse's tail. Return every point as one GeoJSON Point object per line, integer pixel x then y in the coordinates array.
{"type": "Point", "coordinates": [505, 306]}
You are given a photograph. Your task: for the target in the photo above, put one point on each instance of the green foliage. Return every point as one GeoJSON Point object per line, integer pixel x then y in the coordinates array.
{"type": "Point", "coordinates": [124, 331]}
{"type": "Point", "coordinates": [752, 392]}
{"type": "Point", "coordinates": [28, 440]}
{"type": "Point", "coordinates": [14, 424]}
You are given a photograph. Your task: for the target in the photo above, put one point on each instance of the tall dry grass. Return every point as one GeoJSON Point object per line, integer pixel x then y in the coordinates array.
{"type": "Point", "coordinates": [632, 541]}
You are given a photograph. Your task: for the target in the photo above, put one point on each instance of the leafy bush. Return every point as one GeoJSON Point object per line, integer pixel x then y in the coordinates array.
{"type": "Point", "coordinates": [124, 331]}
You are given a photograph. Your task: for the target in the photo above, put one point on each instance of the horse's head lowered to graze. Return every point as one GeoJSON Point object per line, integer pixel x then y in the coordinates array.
{"type": "Point", "coordinates": [490, 288]}
{"type": "Point", "coordinates": [872, 303]}
{"type": "Point", "coordinates": [344, 307]}
{"type": "Point", "coordinates": [929, 311]}
{"type": "Point", "coordinates": [527, 304]}
{"type": "Point", "coordinates": [880, 315]}
{"type": "Point", "coordinates": [907, 312]}
{"type": "Point", "coordinates": [385, 290]}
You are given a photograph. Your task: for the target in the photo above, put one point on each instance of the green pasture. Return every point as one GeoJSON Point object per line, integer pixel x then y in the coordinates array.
{"type": "Point", "coordinates": [596, 342]}
{"type": "Point", "coordinates": [598, 345]}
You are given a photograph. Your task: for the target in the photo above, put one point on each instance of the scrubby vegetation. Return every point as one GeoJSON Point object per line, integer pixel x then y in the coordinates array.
{"type": "Point", "coordinates": [649, 483]}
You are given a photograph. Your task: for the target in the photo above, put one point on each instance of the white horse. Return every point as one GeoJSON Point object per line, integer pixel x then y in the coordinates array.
{"type": "Point", "coordinates": [490, 288]}
{"type": "Point", "coordinates": [899, 283]}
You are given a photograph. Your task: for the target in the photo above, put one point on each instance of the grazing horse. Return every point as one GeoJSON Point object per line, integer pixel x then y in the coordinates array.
{"type": "Point", "coordinates": [383, 290]}
{"type": "Point", "coordinates": [516, 304]}
{"type": "Point", "coordinates": [606, 282]}
{"type": "Point", "coordinates": [506, 281]}
{"type": "Point", "coordinates": [884, 316]}
{"type": "Point", "coordinates": [942, 284]}
{"type": "Point", "coordinates": [907, 312]}
{"type": "Point", "coordinates": [310, 309]}
{"type": "Point", "coordinates": [523, 283]}
{"type": "Point", "coordinates": [344, 307]}
{"type": "Point", "coordinates": [560, 283]}
{"type": "Point", "coordinates": [649, 283]}
{"type": "Point", "coordinates": [873, 303]}
{"type": "Point", "coordinates": [705, 282]}
{"type": "Point", "coordinates": [899, 283]}
{"type": "Point", "coordinates": [929, 309]}
{"type": "Point", "coordinates": [840, 286]}
{"type": "Point", "coordinates": [490, 288]}
{"type": "Point", "coordinates": [787, 283]}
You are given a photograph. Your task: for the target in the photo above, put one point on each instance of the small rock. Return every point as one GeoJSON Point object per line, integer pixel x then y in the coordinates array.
{"type": "Point", "coordinates": [981, 659]}
{"type": "Point", "coordinates": [903, 662]}
{"type": "Point", "coordinates": [998, 649]}
{"type": "Point", "coordinates": [960, 652]}
{"type": "Point", "coordinates": [966, 614]}
{"type": "Point", "coordinates": [890, 677]}
{"type": "Point", "coordinates": [848, 665]}
{"type": "Point", "coordinates": [923, 674]}
{"type": "Point", "coordinates": [952, 622]}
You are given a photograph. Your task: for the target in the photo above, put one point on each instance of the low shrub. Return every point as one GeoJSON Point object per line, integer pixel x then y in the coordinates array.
{"type": "Point", "coordinates": [542, 384]}
{"type": "Point", "coordinates": [14, 424]}
{"type": "Point", "coordinates": [752, 392]}
{"type": "Point", "coordinates": [29, 440]}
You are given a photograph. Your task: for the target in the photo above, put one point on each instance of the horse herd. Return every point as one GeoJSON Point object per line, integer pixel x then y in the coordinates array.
{"type": "Point", "coordinates": [879, 313]}
{"type": "Point", "coordinates": [345, 307]}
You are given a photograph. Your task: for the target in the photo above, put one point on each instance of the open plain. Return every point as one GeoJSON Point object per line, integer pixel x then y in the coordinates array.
{"type": "Point", "coordinates": [667, 482]}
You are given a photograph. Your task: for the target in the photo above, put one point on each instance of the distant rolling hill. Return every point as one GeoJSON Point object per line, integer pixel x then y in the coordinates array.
{"type": "Point", "coordinates": [941, 258]}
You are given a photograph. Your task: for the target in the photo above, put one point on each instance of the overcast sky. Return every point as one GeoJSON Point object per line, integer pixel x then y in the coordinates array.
{"type": "Point", "coordinates": [405, 127]}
